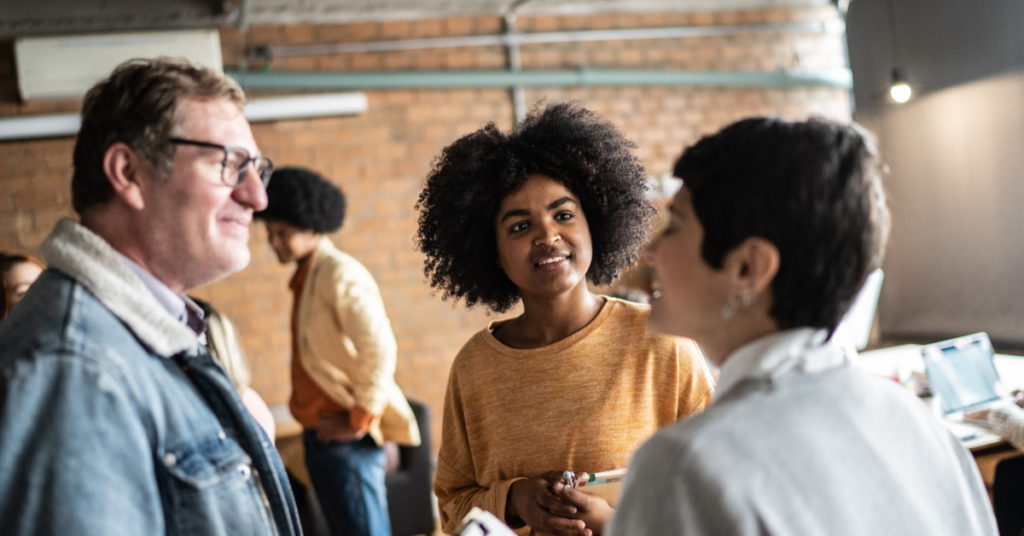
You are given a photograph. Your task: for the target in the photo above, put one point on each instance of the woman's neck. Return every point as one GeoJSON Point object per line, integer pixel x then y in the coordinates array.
{"type": "Point", "coordinates": [547, 320]}
{"type": "Point", "coordinates": [733, 335]}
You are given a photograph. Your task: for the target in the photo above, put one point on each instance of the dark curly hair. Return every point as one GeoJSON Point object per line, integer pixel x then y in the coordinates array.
{"type": "Point", "coordinates": [304, 199]}
{"type": "Point", "coordinates": [812, 188]}
{"type": "Point", "coordinates": [472, 176]}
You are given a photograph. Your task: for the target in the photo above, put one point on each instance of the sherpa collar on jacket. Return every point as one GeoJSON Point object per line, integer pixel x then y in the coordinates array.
{"type": "Point", "coordinates": [91, 261]}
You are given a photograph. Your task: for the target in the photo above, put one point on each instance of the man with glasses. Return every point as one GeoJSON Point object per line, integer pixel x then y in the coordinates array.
{"type": "Point", "coordinates": [113, 417]}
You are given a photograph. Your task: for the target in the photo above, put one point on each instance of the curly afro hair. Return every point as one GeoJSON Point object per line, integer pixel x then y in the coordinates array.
{"type": "Point", "coordinates": [472, 176]}
{"type": "Point", "coordinates": [304, 199]}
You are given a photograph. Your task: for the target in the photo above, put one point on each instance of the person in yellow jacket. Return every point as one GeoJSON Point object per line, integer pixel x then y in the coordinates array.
{"type": "Point", "coordinates": [343, 356]}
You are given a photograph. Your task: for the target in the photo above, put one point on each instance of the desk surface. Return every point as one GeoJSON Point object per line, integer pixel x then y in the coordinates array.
{"type": "Point", "coordinates": [899, 362]}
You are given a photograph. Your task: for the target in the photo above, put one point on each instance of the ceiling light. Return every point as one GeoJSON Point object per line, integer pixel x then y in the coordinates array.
{"type": "Point", "coordinates": [900, 90]}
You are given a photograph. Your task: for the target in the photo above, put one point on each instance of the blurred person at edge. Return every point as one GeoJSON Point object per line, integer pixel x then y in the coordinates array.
{"type": "Point", "coordinates": [222, 341]}
{"type": "Point", "coordinates": [343, 356]}
{"type": "Point", "coordinates": [114, 419]}
{"type": "Point", "coordinates": [17, 273]}
{"type": "Point", "coordinates": [1008, 480]}
{"type": "Point", "coordinates": [773, 233]}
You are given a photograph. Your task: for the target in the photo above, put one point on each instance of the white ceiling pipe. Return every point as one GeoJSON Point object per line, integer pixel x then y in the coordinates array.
{"type": "Point", "coordinates": [305, 106]}
{"type": "Point", "coordinates": [39, 126]}
{"type": "Point", "coordinates": [272, 109]}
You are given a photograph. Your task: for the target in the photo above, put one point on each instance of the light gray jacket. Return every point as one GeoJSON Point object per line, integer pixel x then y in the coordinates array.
{"type": "Point", "coordinates": [800, 441]}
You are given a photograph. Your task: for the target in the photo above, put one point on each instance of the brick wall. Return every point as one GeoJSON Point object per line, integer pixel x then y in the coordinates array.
{"type": "Point", "coordinates": [381, 157]}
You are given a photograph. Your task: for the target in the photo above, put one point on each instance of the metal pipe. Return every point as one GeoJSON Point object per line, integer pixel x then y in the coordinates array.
{"type": "Point", "coordinates": [242, 24]}
{"type": "Point", "coordinates": [510, 39]}
{"type": "Point", "coordinates": [515, 64]}
{"type": "Point", "coordinates": [839, 78]}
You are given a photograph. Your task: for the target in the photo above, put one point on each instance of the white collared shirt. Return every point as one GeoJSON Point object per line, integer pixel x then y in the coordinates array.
{"type": "Point", "coordinates": [182, 308]}
{"type": "Point", "coordinates": [799, 350]}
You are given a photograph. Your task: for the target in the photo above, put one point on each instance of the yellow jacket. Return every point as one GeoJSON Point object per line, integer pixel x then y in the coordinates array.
{"type": "Point", "coordinates": [347, 344]}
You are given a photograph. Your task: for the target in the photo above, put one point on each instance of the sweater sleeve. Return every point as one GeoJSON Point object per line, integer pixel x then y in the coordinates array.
{"type": "Point", "coordinates": [1008, 422]}
{"type": "Point", "coordinates": [455, 482]}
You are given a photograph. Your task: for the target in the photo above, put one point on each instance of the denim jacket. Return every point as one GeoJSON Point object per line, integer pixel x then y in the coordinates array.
{"type": "Point", "coordinates": [113, 418]}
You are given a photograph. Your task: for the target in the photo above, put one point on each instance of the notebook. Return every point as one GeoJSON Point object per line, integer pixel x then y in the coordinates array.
{"type": "Point", "coordinates": [606, 484]}
{"type": "Point", "coordinates": [962, 372]}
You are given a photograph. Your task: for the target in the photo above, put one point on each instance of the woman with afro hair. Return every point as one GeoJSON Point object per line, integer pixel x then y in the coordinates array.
{"type": "Point", "coordinates": [574, 382]}
{"type": "Point", "coordinates": [343, 356]}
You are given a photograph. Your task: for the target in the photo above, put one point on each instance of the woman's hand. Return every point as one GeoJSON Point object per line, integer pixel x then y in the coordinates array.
{"type": "Point", "coordinates": [979, 416]}
{"type": "Point", "coordinates": [532, 502]}
{"type": "Point", "coordinates": [594, 511]}
{"type": "Point", "coordinates": [336, 426]}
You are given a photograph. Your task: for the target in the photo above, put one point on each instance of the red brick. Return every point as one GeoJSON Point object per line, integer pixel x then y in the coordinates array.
{"type": "Point", "coordinates": [458, 26]}
{"type": "Point", "coordinates": [396, 62]}
{"type": "Point", "coordinates": [489, 25]}
{"type": "Point", "coordinates": [366, 31]}
{"type": "Point", "coordinates": [427, 28]}
{"type": "Point", "coordinates": [266, 35]}
{"type": "Point", "coordinates": [298, 34]}
{"type": "Point", "coordinates": [548, 23]}
{"type": "Point", "coordinates": [396, 29]}
{"type": "Point", "coordinates": [336, 62]}
{"type": "Point", "coordinates": [366, 62]}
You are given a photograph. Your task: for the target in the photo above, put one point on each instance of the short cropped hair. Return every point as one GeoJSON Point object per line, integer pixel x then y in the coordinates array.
{"type": "Point", "coordinates": [137, 105]}
{"type": "Point", "coordinates": [471, 177]}
{"type": "Point", "coordinates": [813, 189]}
{"type": "Point", "coordinates": [305, 200]}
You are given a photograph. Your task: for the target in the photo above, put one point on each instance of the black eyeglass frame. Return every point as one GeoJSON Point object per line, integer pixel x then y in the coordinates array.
{"type": "Point", "coordinates": [243, 168]}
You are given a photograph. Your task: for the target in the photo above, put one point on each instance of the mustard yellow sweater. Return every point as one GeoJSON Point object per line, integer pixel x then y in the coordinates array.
{"type": "Point", "coordinates": [583, 404]}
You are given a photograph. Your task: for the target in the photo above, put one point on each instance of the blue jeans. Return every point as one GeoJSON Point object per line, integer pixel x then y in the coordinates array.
{"type": "Point", "coordinates": [348, 478]}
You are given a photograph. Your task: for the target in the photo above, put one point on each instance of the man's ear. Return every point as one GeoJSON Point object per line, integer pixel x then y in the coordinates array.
{"type": "Point", "coordinates": [753, 264]}
{"type": "Point", "coordinates": [123, 169]}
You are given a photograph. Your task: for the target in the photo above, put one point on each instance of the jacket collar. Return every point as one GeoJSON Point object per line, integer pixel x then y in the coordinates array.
{"type": "Point", "coordinates": [322, 251]}
{"type": "Point", "coordinates": [793, 351]}
{"type": "Point", "coordinates": [91, 261]}
{"type": "Point", "coordinates": [323, 248]}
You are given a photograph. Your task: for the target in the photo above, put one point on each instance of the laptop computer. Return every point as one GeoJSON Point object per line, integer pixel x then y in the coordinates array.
{"type": "Point", "coordinates": [962, 372]}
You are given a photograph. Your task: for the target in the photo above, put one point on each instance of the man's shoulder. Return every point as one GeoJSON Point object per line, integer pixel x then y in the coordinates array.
{"type": "Point", "coordinates": [60, 317]}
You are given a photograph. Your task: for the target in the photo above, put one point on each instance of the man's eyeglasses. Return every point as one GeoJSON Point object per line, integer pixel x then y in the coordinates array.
{"type": "Point", "coordinates": [237, 160]}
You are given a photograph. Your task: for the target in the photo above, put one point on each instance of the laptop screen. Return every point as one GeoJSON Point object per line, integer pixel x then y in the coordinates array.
{"type": "Point", "coordinates": [962, 372]}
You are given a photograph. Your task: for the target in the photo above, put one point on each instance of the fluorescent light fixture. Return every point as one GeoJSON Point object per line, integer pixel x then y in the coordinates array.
{"type": "Point", "coordinates": [305, 106]}
{"type": "Point", "coordinates": [282, 108]}
{"type": "Point", "coordinates": [39, 126]}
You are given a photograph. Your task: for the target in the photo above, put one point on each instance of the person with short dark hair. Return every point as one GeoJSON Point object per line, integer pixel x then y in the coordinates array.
{"type": "Point", "coordinates": [773, 233]}
{"type": "Point", "coordinates": [574, 382]}
{"type": "Point", "coordinates": [343, 356]}
{"type": "Point", "coordinates": [114, 419]}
